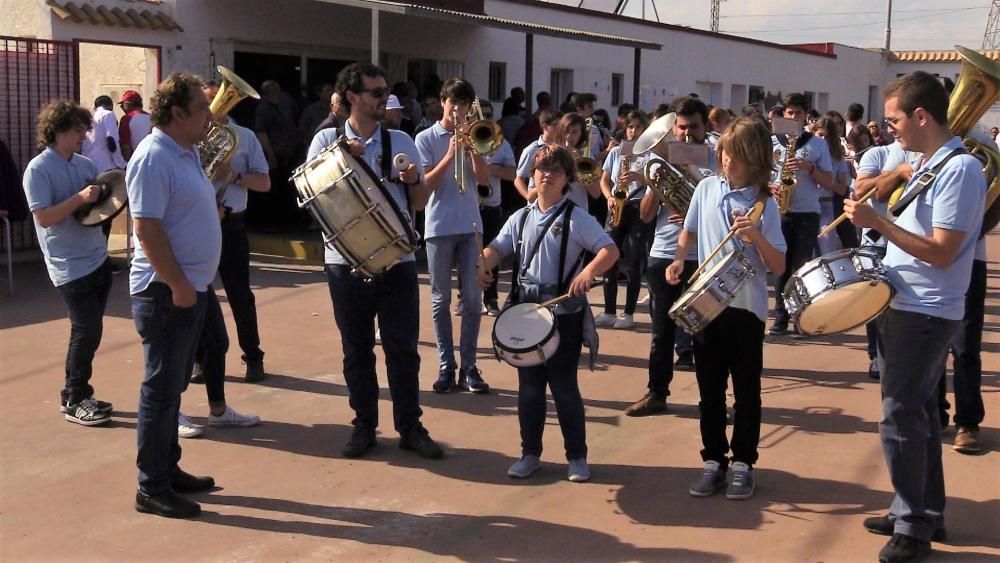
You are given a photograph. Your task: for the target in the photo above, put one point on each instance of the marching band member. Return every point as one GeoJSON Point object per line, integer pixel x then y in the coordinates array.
{"type": "Point", "coordinates": [178, 242]}
{"type": "Point", "coordinates": [733, 343]}
{"type": "Point", "coordinates": [393, 295]}
{"type": "Point", "coordinates": [570, 134]}
{"type": "Point", "coordinates": [57, 182]}
{"type": "Point", "coordinates": [931, 247]}
{"type": "Point", "coordinates": [630, 229]}
{"type": "Point", "coordinates": [549, 237]}
{"type": "Point", "coordinates": [549, 120]}
{"type": "Point", "coordinates": [451, 233]}
{"type": "Point", "coordinates": [502, 167]}
{"type": "Point", "coordinates": [669, 223]}
{"type": "Point", "coordinates": [813, 169]}
{"type": "Point", "coordinates": [827, 129]}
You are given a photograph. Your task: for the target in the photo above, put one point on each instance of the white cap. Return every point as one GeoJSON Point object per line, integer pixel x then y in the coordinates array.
{"type": "Point", "coordinates": [393, 103]}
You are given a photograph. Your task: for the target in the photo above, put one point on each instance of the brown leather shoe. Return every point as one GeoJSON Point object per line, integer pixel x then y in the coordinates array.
{"type": "Point", "coordinates": [652, 403]}
{"type": "Point", "coordinates": [966, 440]}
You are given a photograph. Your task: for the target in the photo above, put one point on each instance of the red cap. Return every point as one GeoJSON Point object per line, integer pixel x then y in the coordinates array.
{"type": "Point", "coordinates": [130, 96]}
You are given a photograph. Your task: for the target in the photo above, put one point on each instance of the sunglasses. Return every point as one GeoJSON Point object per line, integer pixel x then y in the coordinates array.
{"type": "Point", "coordinates": [380, 92]}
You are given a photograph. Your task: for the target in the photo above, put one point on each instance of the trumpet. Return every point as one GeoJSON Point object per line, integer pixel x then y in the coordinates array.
{"type": "Point", "coordinates": [587, 169]}
{"type": "Point", "coordinates": [477, 135]}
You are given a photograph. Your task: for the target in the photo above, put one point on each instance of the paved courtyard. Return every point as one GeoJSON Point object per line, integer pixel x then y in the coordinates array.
{"type": "Point", "coordinates": [286, 494]}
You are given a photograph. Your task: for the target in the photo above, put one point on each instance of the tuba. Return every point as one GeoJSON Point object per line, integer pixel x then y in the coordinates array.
{"type": "Point", "coordinates": [977, 87]}
{"type": "Point", "coordinates": [221, 142]}
{"type": "Point", "coordinates": [675, 185]}
{"type": "Point", "coordinates": [587, 169]}
{"type": "Point", "coordinates": [480, 136]}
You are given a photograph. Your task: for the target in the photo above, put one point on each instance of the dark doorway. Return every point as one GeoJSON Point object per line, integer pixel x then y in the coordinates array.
{"type": "Point", "coordinates": [319, 71]}
{"type": "Point", "coordinates": [255, 68]}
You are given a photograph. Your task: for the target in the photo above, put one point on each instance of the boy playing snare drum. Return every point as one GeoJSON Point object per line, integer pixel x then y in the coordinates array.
{"type": "Point", "coordinates": [734, 341]}
{"type": "Point", "coordinates": [549, 238]}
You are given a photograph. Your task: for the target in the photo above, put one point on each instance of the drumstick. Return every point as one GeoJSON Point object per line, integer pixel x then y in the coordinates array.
{"type": "Point", "coordinates": [729, 237]}
{"type": "Point", "coordinates": [843, 216]}
{"type": "Point", "coordinates": [554, 301]}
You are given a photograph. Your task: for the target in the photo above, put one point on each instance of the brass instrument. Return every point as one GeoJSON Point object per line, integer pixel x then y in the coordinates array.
{"type": "Point", "coordinates": [977, 87]}
{"type": "Point", "coordinates": [587, 169]}
{"type": "Point", "coordinates": [675, 185]}
{"type": "Point", "coordinates": [221, 142]}
{"type": "Point", "coordinates": [478, 135]}
{"type": "Point", "coordinates": [619, 194]}
{"type": "Point", "coordinates": [787, 177]}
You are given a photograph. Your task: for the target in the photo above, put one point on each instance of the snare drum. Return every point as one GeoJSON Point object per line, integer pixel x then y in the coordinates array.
{"type": "Point", "coordinates": [359, 217]}
{"type": "Point", "coordinates": [712, 292]}
{"type": "Point", "coordinates": [837, 292]}
{"type": "Point", "coordinates": [525, 335]}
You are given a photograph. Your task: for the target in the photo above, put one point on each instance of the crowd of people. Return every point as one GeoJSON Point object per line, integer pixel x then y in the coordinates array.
{"type": "Point", "coordinates": [585, 213]}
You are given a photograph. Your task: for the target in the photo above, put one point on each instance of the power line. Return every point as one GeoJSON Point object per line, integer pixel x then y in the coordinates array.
{"type": "Point", "coordinates": [846, 13]}
{"type": "Point", "coordinates": [856, 24]}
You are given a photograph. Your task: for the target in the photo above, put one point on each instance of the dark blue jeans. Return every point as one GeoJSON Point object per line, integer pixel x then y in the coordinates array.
{"type": "Point", "coordinates": [732, 344]}
{"type": "Point", "coordinates": [913, 349]}
{"type": "Point", "coordinates": [169, 340]}
{"type": "Point", "coordinates": [632, 235]}
{"type": "Point", "coordinates": [967, 362]}
{"type": "Point", "coordinates": [395, 298]}
{"type": "Point", "coordinates": [560, 374]}
{"type": "Point", "coordinates": [86, 299]}
{"type": "Point", "coordinates": [662, 297]}
{"type": "Point", "coordinates": [234, 269]}
{"type": "Point", "coordinates": [799, 230]}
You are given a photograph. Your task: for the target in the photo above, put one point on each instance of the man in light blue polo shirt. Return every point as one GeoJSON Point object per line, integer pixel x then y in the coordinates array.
{"type": "Point", "coordinates": [58, 182]}
{"type": "Point", "coordinates": [452, 231]}
{"type": "Point", "coordinates": [177, 245]}
{"type": "Point", "coordinates": [813, 169]}
{"type": "Point", "coordinates": [548, 119]}
{"type": "Point", "coordinates": [928, 259]}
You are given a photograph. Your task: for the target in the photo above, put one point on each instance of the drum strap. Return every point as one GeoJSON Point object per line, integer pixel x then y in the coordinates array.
{"type": "Point", "coordinates": [520, 270]}
{"type": "Point", "coordinates": [387, 155]}
{"type": "Point", "coordinates": [925, 181]}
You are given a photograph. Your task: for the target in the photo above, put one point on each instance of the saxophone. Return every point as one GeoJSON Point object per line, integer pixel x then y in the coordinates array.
{"type": "Point", "coordinates": [619, 193]}
{"type": "Point", "coordinates": [787, 188]}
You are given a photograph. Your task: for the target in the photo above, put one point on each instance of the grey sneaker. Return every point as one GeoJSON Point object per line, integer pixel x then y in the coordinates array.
{"type": "Point", "coordinates": [741, 483]}
{"type": "Point", "coordinates": [713, 478]}
{"type": "Point", "coordinates": [523, 468]}
{"type": "Point", "coordinates": [578, 470]}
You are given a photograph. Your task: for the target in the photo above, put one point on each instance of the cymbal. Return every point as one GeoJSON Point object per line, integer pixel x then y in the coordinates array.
{"type": "Point", "coordinates": [113, 199]}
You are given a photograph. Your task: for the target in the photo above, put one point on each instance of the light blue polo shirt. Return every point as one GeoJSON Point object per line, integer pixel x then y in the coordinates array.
{"type": "Point", "coordinates": [249, 159]}
{"type": "Point", "coordinates": [955, 202]}
{"type": "Point", "coordinates": [503, 157]}
{"type": "Point", "coordinates": [805, 199]}
{"type": "Point", "coordinates": [577, 193]}
{"type": "Point", "coordinates": [666, 234]}
{"type": "Point", "coordinates": [613, 166]}
{"type": "Point", "coordinates": [401, 143]}
{"type": "Point", "coordinates": [71, 250]}
{"type": "Point", "coordinates": [710, 216]}
{"type": "Point", "coordinates": [449, 211]}
{"type": "Point", "coordinates": [167, 183]}
{"type": "Point", "coordinates": [585, 233]}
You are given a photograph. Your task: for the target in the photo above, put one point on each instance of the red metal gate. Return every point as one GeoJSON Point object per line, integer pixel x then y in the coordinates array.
{"type": "Point", "coordinates": [32, 72]}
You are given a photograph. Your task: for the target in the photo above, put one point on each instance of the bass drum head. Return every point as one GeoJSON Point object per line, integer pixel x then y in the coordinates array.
{"type": "Point", "coordinates": [844, 309]}
{"type": "Point", "coordinates": [523, 327]}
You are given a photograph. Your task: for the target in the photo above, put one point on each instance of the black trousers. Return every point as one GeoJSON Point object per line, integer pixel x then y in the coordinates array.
{"type": "Point", "coordinates": [732, 344]}
{"type": "Point", "coordinates": [633, 234]}
{"type": "Point", "coordinates": [492, 222]}
{"type": "Point", "coordinates": [662, 297]}
{"type": "Point", "coordinates": [799, 230]}
{"type": "Point", "coordinates": [966, 347]}
{"type": "Point", "coordinates": [85, 299]}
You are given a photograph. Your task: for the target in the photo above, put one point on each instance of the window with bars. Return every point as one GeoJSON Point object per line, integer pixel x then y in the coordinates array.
{"type": "Point", "coordinates": [498, 81]}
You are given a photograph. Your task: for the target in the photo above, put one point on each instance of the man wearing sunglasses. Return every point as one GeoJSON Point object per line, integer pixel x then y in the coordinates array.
{"type": "Point", "coordinates": [392, 295]}
{"type": "Point", "coordinates": [929, 256]}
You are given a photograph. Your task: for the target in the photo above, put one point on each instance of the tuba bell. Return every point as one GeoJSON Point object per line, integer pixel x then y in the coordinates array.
{"type": "Point", "coordinates": [675, 184]}
{"type": "Point", "coordinates": [221, 142]}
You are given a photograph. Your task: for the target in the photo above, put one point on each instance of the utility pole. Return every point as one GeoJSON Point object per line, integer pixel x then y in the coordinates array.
{"type": "Point", "coordinates": [715, 16]}
{"type": "Point", "coordinates": [888, 26]}
{"type": "Point", "coordinates": [991, 40]}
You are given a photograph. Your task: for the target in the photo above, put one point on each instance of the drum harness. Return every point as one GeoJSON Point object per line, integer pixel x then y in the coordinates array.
{"type": "Point", "coordinates": [386, 162]}
{"type": "Point", "coordinates": [925, 181]}
{"type": "Point", "coordinates": [565, 210]}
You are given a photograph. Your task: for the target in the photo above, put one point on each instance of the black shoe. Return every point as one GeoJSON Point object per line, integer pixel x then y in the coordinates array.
{"type": "Point", "coordinates": [685, 362]}
{"type": "Point", "coordinates": [779, 328]}
{"type": "Point", "coordinates": [362, 440]}
{"type": "Point", "coordinates": [417, 439]}
{"type": "Point", "coordinates": [901, 549]}
{"type": "Point", "coordinates": [198, 373]}
{"type": "Point", "coordinates": [873, 370]}
{"type": "Point", "coordinates": [102, 406]}
{"type": "Point", "coordinates": [255, 369]}
{"type": "Point", "coordinates": [87, 413]}
{"type": "Point", "coordinates": [884, 526]}
{"type": "Point", "coordinates": [168, 504]}
{"type": "Point", "coordinates": [115, 269]}
{"type": "Point", "coordinates": [472, 380]}
{"type": "Point", "coordinates": [492, 309]}
{"type": "Point", "coordinates": [445, 381]}
{"type": "Point", "coordinates": [183, 482]}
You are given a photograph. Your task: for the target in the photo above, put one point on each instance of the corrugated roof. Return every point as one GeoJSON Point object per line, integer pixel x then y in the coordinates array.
{"type": "Point", "coordinates": [937, 56]}
{"type": "Point", "coordinates": [86, 12]}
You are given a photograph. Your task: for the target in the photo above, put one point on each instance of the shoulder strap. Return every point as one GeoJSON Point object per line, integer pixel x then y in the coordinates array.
{"type": "Point", "coordinates": [563, 244]}
{"type": "Point", "coordinates": [541, 236]}
{"type": "Point", "coordinates": [923, 182]}
{"type": "Point", "coordinates": [515, 286]}
{"type": "Point", "coordinates": [802, 139]}
{"type": "Point", "coordinates": [387, 155]}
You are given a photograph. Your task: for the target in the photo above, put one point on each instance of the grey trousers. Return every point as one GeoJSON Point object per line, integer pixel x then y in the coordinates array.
{"type": "Point", "coordinates": [913, 349]}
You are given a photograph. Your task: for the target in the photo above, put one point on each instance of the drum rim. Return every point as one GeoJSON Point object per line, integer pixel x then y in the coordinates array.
{"type": "Point", "coordinates": [798, 314]}
{"type": "Point", "coordinates": [505, 348]}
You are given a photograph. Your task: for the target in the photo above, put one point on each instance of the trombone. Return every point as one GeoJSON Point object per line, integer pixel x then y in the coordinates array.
{"type": "Point", "coordinates": [476, 134]}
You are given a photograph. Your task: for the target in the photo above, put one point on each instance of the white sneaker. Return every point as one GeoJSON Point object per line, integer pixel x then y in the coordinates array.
{"type": "Point", "coordinates": [378, 336]}
{"type": "Point", "coordinates": [623, 322]}
{"type": "Point", "coordinates": [605, 320]}
{"type": "Point", "coordinates": [186, 428]}
{"type": "Point", "coordinates": [233, 418]}
{"type": "Point", "coordinates": [644, 300]}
